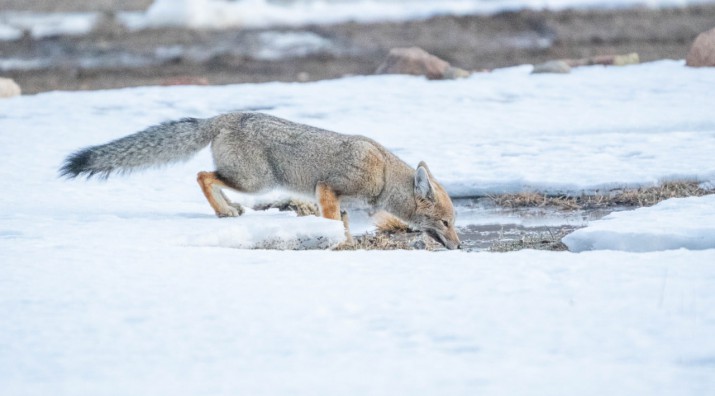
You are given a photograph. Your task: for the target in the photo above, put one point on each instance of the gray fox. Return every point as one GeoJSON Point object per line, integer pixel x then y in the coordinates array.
{"type": "Point", "coordinates": [256, 152]}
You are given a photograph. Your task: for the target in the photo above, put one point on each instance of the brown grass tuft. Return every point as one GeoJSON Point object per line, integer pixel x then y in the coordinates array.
{"type": "Point", "coordinates": [644, 196]}
{"type": "Point", "coordinates": [652, 195]}
{"type": "Point", "coordinates": [384, 241]}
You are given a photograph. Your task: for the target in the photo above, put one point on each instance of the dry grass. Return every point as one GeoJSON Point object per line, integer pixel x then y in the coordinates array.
{"type": "Point", "coordinates": [644, 196]}
{"type": "Point", "coordinates": [392, 234]}
{"type": "Point", "coordinates": [385, 241]}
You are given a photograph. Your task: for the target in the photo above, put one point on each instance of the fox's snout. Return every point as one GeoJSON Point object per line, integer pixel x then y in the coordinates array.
{"type": "Point", "coordinates": [449, 238]}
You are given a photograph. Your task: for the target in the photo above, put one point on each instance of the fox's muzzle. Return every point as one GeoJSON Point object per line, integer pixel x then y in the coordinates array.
{"type": "Point", "coordinates": [447, 243]}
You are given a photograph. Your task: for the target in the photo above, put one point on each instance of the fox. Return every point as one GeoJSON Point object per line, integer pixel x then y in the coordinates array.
{"type": "Point", "coordinates": [257, 152]}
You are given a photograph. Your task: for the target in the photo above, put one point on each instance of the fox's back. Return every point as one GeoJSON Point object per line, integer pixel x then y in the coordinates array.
{"type": "Point", "coordinates": [262, 152]}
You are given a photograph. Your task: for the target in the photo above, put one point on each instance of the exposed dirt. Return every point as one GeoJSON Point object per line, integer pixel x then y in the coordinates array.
{"type": "Point", "coordinates": [112, 57]}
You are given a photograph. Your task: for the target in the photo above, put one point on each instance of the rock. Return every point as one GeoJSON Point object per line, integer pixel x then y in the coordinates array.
{"type": "Point", "coordinates": [702, 52]}
{"type": "Point", "coordinates": [185, 80]}
{"type": "Point", "coordinates": [627, 59]}
{"type": "Point", "coordinates": [9, 88]}
{"type": "Point", "coordinates": [419, 62]}
{"type": "Point", "coordinates": [555, 66]}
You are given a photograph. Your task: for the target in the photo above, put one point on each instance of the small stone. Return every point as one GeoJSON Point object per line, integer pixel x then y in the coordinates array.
{"type": "Point", "coordinates": [627, 59]}
{"type": "Point", "coordinates": [418, 62]}
{"type": "Point", "coordinates": [702, 52]}
{"type": "Point", "coordinates": [556, 66]}
{"type": "Point", "coordinates": [185, 80]}
{"type": "Point", "coordinates": [9, 88]}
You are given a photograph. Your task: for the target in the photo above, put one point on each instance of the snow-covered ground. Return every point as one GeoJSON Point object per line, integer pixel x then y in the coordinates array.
{"type": "Point", "coordinates": [131, 286]}
{"type": "Point", "coordinates": [672, 224]}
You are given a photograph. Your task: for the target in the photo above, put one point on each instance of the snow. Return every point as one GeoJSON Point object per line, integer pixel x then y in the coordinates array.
{"type": "Point", "coordinates": [217, 14]}
{"type": "Point", "coordinates": [39, 25]}
{"type": "Point", "coordinates": [505, 131]}
{"type": "Point", "coordinates": [9, 32]}
{"type": "Point", "coordinates": [132, 286]}
{"type": "Point", "coordinates": [672, 224]}
{"type": "Point", "coordinates": [167, 320]}
{"type": "Point", "coordinates": [281, 45]}
{"type": "Point", "coordinates": [272, 230]}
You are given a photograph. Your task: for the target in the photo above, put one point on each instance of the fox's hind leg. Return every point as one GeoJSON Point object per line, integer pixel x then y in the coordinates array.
{"type": "Point", "coordinates": [211, 186]}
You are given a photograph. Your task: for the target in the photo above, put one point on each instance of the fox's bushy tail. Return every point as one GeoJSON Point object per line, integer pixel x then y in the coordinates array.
{"type": "Point", "coordinates": [165, 143]}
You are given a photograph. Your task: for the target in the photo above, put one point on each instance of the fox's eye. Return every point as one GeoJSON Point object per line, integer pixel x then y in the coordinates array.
{"type": "Point", "coordinates": [445, 223]}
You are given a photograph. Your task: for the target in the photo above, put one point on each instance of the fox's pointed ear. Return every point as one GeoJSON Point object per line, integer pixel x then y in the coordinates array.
{"type": "Point", "coordinates": [423, 164]}
{"type": "Point", "coordinates": [423, 185]}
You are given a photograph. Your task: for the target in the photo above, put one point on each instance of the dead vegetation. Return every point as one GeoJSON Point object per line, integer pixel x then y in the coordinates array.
{"type": "Point", "coordinates": [384, 241]}
{"type": "Point", "coordinates": [644, 196]}
{"type": "Point", "coordinates": [392, 234]}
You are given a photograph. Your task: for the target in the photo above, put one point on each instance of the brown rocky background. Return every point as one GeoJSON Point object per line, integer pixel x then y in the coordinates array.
{"type": "Point", "coordinates": [169, 56]}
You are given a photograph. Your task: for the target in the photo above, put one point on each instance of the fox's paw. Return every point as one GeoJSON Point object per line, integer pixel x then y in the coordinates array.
{"type": "Point", "coordinates": [230, 211]}
{"type": "Point", "coordinates": [238, 207]}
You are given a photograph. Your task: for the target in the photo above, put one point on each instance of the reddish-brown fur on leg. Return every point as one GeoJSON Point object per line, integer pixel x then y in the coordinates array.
{"type": "Point", "coordinates": [328, 201]}
{"type": "Point", "coordinates": [209, 183]}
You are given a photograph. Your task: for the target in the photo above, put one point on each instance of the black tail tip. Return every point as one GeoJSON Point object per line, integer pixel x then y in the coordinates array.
{"type": "Point", "coordinates": [76, 164]}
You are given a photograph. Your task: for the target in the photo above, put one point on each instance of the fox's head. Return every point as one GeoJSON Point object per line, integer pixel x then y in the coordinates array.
{"type": "Point", "coordinates": [435, 213]}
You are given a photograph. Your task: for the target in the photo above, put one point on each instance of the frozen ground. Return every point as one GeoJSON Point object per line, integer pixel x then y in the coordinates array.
{"type": "Point", "coordinates": [132, 286]}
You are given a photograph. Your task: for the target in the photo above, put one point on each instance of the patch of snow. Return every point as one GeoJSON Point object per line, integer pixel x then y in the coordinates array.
{"type": "Point", "coordinates": [221, 14]}
{"type": "Point", "coordinates": [279, 45]}
{"type": "Point", "coordinates": [218, 14]}
{"type": "Point", "coordinates": [8, 33]}
{"type": "Point", "coordinates": [679, 223]}
{"type": "Point", "coordinates": [7, 64]}
{"type": "Point", "coordinates": [45, 25]}
{"type": "Point", "coordinates": [273, 230]}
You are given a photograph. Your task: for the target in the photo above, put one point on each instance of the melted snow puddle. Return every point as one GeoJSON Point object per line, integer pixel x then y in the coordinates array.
{"type": "Point", "coordinates": [481, 225]}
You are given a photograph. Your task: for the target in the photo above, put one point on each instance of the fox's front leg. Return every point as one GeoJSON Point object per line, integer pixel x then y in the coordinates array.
{"type": "Point", "coordinates": [329, 203]}
{"type": "Point", "coordinates": [211, 186]}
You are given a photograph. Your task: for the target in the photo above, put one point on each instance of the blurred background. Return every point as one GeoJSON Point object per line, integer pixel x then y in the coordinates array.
{"type": "Point", "coordinates": [75, 44]}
